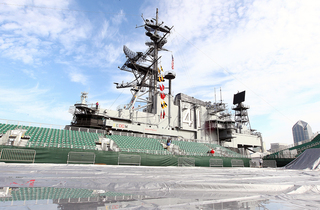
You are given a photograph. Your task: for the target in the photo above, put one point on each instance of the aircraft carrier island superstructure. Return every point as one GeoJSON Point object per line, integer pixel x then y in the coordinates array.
{"type": "Point", "coordinates": [154, 110]}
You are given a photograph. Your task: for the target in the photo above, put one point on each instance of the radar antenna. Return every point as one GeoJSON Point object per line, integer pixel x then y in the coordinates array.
{"type": "Point", "coordinates": [241, 113]}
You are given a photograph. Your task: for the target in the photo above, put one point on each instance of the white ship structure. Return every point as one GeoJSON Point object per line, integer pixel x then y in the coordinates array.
{"type": "Point", "coordinates": [154, 110]}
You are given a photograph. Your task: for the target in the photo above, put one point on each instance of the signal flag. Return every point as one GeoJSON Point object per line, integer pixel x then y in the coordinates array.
{"type": "Point", "coordinates": [161, 87]}
{"type": "Point", "coordinates": [162, 95]}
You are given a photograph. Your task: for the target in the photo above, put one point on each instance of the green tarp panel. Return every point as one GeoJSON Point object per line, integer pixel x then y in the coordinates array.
{"type": "Point", "coordinates": [60, 156]}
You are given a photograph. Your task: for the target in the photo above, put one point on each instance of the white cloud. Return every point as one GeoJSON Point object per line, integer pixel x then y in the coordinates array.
{"type": "Point", "coordinates": [119, 18]}
{"type": "Point", "coordinates": [77, 76]}
{"type": "Point", "coordinates": [28, 29]}
{"type": "Point", "coordinates": [32, 104]}
{"type": "Point", "coordinates": [37, 31]}
{"type": "Point", "coordinates": [111, 52]}
{"type": "Point", "coordinates": [29, 73]}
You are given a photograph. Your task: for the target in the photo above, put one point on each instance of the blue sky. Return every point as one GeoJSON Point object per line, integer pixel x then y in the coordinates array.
{"type": "Point", "coordinates": [51, 51]}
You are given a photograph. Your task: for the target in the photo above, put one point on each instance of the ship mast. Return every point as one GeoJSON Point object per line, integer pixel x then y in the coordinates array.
{"type": "Point", "coordinates": [154, 83]}
{"type": "Point", "coordinates": [144, 67]}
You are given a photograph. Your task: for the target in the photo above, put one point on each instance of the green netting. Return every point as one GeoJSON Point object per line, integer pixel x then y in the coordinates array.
{"type": "Point", "coordinates": [60, 155]}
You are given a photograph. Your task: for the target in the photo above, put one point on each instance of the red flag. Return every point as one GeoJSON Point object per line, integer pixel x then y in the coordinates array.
{"type": "Point", "coordinates": [164, 114]}
{"type": "Point", "coordinates": [172, 63]}
{"type": "Point", "coordinates": [161, 87]}
{"type": "Point", "coordinates": [162, 95]}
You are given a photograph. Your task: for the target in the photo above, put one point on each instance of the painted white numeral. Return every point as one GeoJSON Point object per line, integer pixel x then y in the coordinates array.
{"type": "Point", "coordinates": [187, 117]}
{"type": "Point", "coordinates": [198, 119]}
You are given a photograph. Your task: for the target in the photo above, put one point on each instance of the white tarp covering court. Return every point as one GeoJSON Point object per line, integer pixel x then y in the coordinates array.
{"type": "Point", "coordinates": [174, 187]}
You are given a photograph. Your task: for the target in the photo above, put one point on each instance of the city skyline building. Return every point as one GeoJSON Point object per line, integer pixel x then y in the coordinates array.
{"type": "Point", "coordinates": [277, 146]}
{"type": "Point", "coordinates": [301, 131]}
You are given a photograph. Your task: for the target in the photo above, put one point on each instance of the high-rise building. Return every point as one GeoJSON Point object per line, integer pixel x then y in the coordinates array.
{"type": "Point", "coordinates": [277, 146]}
{"type": "Point", "coordinates": [301, 131]}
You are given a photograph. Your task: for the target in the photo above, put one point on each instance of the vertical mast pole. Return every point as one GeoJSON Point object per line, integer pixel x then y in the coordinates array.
{"type": "Point", "coordinates": [169, 102]}
{"type": "Point", "coordinates": [217, 119]}
{"type": "Point", "coordinates": [153, 91]}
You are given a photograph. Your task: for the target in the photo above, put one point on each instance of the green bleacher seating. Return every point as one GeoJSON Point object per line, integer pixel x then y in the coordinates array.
{"type": "Point", "coordinates": [139, 144]}
{"type": "Point", "coordinates": [49, 137]}
{"type": "Point", "coordinates": [223, 151]}
{"type": "Point", "coordinates": [192, 148]}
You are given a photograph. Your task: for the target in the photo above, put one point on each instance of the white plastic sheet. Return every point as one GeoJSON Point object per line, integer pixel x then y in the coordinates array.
{"type": "Point", "coordinates": [177, 187]}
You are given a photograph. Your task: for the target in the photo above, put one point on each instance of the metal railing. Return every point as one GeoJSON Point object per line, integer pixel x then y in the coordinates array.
{"type": "Point", "coordinates": [81, 157]}
{"type": "Point", "coordinates": [124, 159]}
{"type": "Point", "coordinates": [18, 155]}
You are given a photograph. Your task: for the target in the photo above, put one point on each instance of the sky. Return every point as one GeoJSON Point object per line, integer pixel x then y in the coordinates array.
{"type": "Point", "coordinates": [51, 51]}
